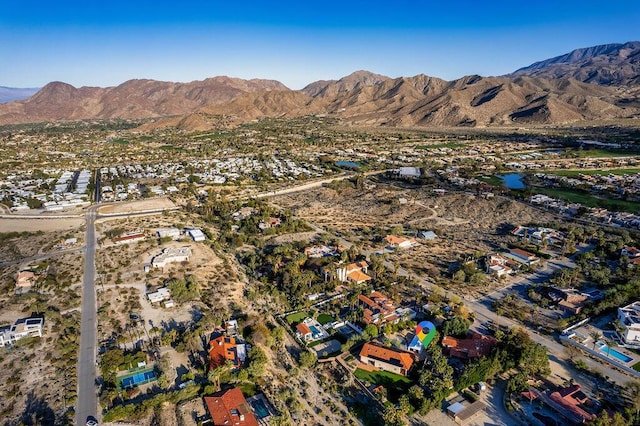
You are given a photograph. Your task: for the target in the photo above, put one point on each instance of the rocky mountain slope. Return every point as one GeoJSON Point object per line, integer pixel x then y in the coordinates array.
{"type": "Point", "coordinates": [608, 64]}
{"type": "Point", "coordinates": [602, 82]}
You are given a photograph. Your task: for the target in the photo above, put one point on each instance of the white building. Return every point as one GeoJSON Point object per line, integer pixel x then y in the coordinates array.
{"type": "Point", "coordinates": [159, 295]}
{"type": "Point", "coordinates": [171, 255]}
{"type": "Point", "coordinates": [629, 318]}
{"type": "Point", "coordinates": [196, 234]}
{"type": "Point", "coordinates": [174, 233]}
{"type": "Point", "coordinates": [24, 327]}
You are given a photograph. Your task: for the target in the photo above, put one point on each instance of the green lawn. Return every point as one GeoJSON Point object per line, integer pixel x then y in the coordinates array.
{"type": "Point", "coordinates": [491, 180]}
{"type": "Point", "coordinates": [573, 173]}
{"type": "Point", "coordinates": [588, 200]}
{"type": "Point", "coordinates": [297, 317]}
{"type": "Point", "coordinates": [636, 366]}
{"type": "Point", "coordinates": [606, 153]}
{"type": "Point", "coordinates": [324, 319]}
{"type": "Point", "coordinates": [382, 378]}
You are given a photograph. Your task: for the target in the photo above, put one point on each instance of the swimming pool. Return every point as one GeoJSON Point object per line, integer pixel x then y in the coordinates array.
{"type": "Point", "coordinates": [347, 164]}
{"type": "Point", "coordinates": [613, 353]}
{"type": "Point", "coordinates": [315, 331]}
{"type": "Point", "coordinates": [259, 409]}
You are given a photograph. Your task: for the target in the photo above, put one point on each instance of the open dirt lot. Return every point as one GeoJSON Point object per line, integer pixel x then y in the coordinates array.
{"type": "Point", "coordinates": [465, 223]}
{"type": "Point", "coordinates": [135, 206]}
{"type": "Point", "coordinates": [45, 225]}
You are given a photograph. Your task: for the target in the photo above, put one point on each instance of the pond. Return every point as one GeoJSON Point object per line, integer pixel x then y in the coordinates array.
{"type": "Point", "coordinates": [347, 164]}
{"type": "Point", "coordinates": [513, 180]}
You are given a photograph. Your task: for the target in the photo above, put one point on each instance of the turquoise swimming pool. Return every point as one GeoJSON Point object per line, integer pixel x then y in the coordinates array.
{"type": "Point", "coordinates": [613, 353]}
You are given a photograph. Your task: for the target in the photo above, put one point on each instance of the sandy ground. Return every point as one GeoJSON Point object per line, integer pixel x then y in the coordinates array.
{"type": "Point", "coordinates": [134, 206]}
{"type": "Point", "coordinates": [33, 225]}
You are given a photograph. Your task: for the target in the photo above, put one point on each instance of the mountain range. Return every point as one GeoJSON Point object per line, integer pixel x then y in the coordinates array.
{"type": "Point", "coordinates": [601, 82]}
{"type": "Point", "coordinates": [9, 94]}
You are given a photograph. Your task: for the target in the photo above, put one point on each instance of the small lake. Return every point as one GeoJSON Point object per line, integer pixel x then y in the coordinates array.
{"type": "Point", "coordinates": [347, 164]}
{"type": "Point", "coordinates": [513, 180]}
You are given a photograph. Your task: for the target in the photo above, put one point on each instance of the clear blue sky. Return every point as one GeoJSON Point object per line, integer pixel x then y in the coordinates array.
{"type": "Point", "coordinates": [104, 43]}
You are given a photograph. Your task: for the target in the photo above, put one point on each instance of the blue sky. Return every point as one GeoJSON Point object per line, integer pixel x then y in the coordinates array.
{"type": "Point", "coordinates": [108, 43]}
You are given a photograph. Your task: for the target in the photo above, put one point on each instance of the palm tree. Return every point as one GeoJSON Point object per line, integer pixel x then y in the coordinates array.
{"type": "Point", "coordinates": [595, 335]}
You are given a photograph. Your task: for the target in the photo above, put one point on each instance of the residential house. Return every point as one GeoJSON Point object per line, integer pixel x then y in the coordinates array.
{"type": "Point", "coordinates": [229, 408]}
{"type": "Point", "coordinates": [629, 318]}
{"type": "Point", "coordinates": [24, 327]}
{"type": "Point", "coordinates": [271, 223]}
{"type": "Point", "coordinates": [226, 348]}
{"type": "Point", "coordinates": [415, 346]}
{"type": "Point", "coordinates": [173, 233]}
{"type": "Point", "coordinates": [354, 272]}
{"type": "Point", "coordinates": [399, 242]}
{"type": "Point", "coordinates": [462, 411]}
{"type": "Point", "coordinates": [387, 359]}
{"type": "Point", "coordinates": [129, 237]}
{"type": "Point", "coordinates": [171, 255]}
{"type": "Point", "coordinates": [196, 234]}
{"type": "Point", "coordinates": [475, 345]}
{"type": "Point", "coordinates": [630, 251]}
{"type": "Point", "coordinates": [409, 172]}
{"type": "Point", "coordinates": [569, 300]}
{"type": "Point", "coordinates": [498, 265]}
{"type": "Point", "coordinates": [378, 309]}
{"type": "Point", "coordinates": [159, 295]}
{"type": "Point", "coordinates": [570, 402]}
{"type": "Point", "coordinates": [314, 252]}
{"type": "Point", "coordinates": [304, 332]}
{"type": "Point", "coordinates": [427, 235]}
{"type": "Point", "coordinates": [310, 329]}
{"type": "Point", "coordinates": [522, 256]}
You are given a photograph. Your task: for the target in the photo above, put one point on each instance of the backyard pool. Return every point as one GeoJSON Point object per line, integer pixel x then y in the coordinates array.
{"type": "Point", "coordinates": [259, 409]}
{"type": "Point", "coordinates": [613, 353]}
{"type": "Point", "coordinates": [315, 331]}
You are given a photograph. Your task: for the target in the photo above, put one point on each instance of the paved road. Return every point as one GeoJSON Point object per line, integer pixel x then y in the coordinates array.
{"type": "Point", "coordinates": [87, 404]}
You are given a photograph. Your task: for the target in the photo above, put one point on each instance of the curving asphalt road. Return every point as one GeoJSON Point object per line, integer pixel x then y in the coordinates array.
{"type": "Point", "coordinates": [87, 404]}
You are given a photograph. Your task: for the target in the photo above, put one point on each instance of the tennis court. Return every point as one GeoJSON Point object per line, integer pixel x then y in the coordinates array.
{"type": "Point", "coordinates": [138, 378]}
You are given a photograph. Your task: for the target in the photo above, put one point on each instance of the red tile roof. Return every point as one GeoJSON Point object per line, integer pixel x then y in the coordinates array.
{"type": "Point", "coordinates": [229, 408]}
{"type": "Point", "coordinates": [569, 399]}
{"type": "Point", "coordinates": [378, 304]}
{"type": "Point", "coordinates": [392, 356]}
{"type": "Point", "coordinates": [303, 329]}
{"type": "Point", "coordinates": [475, 346]}
{"type": "Point", "coordinates": [522, 253]}
{"type": "Point", "coordinates": [221, 350]}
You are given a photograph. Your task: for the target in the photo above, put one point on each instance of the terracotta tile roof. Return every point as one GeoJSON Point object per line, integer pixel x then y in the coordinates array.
{"type": "Point", "coordinates": [221, 350]}
{"type": "Point", "coordinates": [474, 346]}
{"type": "Point", "coordinates": [379, 305]}
{"type": "Point", "coordinates": [566, 399]}
{"type": "Point", "coordinates": [229, 408]}
{"type": "Point", "coordinates": [522, 253]}
{"type": "Point", "coordinates": [392, 239]}
{"type": "Point", "coordinates": [303, 329]}
{"type": "Point", "coordinates": [358, 276]}
{"type": "Point", "coordinates": [129, 237]}
{"type": "Point", "coordinates": [388, 355]}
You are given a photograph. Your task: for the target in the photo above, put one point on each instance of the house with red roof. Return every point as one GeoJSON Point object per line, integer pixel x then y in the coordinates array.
{"type": "Point", "coordinates": [475, 345]}
{"type": "Point", "coordinates": [226, 348]}
{"type": "Point", "coordinates": [378, 309]}
{"type": "Point", "coordinates": [522, 256]}
{"type": "Point", "coordinates": [229, 407]}
{"type": "Point", "coordinates": [569, 403]}
{"type": "Point", "coordinates": [399, 242]}
{"type": "Point", "coordinates": [387, 359]}
{"type": "Point", "coordinates": [354, 272]}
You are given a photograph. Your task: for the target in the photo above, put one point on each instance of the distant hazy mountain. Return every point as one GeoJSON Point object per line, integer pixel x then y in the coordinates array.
{"type": "Point", "coordinates": [558, 90]}
{"type": "Point", "coordinates": [10, 94]}
{"type": "Point", "coordinates": [609, 64]}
